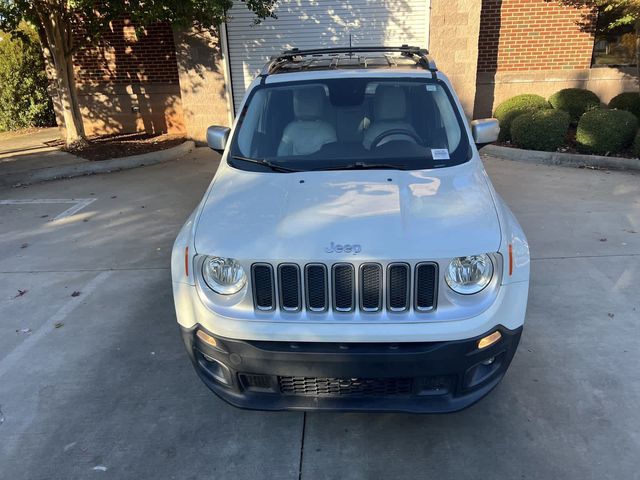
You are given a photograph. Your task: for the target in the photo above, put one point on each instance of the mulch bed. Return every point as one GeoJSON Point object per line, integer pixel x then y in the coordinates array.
{"type": "Point", "coordinates": [124, 145]}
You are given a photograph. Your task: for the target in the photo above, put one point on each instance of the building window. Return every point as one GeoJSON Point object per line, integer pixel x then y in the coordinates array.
{"type": "Point", "coordinates": [615, 44]}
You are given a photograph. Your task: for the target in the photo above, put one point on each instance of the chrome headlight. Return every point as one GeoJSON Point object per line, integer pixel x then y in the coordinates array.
{"type": "Point", "coordinates": [223, 275]}
{"type": "Point", "coordinates": [469, 275]}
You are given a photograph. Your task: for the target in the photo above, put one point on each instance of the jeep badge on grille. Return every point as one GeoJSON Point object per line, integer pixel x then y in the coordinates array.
{"type": "Point", "coordinates": [344, 248]}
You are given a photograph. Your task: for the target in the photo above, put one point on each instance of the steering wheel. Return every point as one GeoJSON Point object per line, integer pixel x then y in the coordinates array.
{"type": "Point", "coordinates": [405, 132]}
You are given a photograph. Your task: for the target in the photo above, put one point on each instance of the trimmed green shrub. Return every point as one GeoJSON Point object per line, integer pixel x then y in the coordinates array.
{"type": "Point", "coordinates": [629, 101]}
{"type": "Point", "coordinates": [575, 101]}
{"type": "Point", "coordinates": [24, 101]}
{"type": "Point", "coordinates": [606, 131]}
{"type": "Point", "coordinates": [636, 145]}
{"type": "Point", "coordinates": [510, 109]}
{"type": "Point", "coordinates": [541, 130]}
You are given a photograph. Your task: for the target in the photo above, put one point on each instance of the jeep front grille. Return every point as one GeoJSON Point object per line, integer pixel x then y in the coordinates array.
{"type": "Point", "coordinates": [289, 281]}
{"type": "Point", "coordinates": [316, 287]}
{"type": "Point", "coordinates": [425, 286]}
{"type": "Point", "coordinates": [371, 287]}
{"type": "Point", "coordinates": [263, 286]}
{"type": "Point", "coordinates": [344, 294]}
{"type": "Point", "coordinates": [398, 283]}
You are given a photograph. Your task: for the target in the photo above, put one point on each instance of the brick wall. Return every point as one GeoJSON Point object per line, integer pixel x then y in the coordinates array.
{"type": "Point", "coordinates": [130, 81]}
{"type": "Point", "coordinates": [525, 35]}
{"type": "Point", "coordinates": [123, 57]}
{"type": "Point", "coordinates": [202, 82]}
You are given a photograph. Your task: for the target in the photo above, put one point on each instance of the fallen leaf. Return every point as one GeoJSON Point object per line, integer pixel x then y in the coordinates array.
{"type": "Point", "coordinates": [610, 315]}
{"type": "Point", "coordinates": [69, 446]}
{"type": "Point", "coordinates": [20, 293]}
{"type": "Point", "coordinates": [603, 239]}
{"type": "Point", "coordinates": [26, 331]}
{"type": "Point", "coordinates": [44, 216]}
{"type": "Point", "coordinates": [75, 293]}
{"type": "Point", "coordinates": [58, 324]}
{"type": "Point", "coordinates": [24, 245]}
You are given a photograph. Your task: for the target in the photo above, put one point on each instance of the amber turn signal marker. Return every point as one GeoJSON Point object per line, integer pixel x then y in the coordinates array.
{"type": "Point", "coordinates": [186, 261]}
{"type": "Point", "coordinates": [206, 338]}
{"type": "Point", "coordinates": [487, 341]}
{"type": "Point", "coordinates": [510, 259]}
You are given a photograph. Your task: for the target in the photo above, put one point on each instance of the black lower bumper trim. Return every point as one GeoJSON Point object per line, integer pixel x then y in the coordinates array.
{"type": "Point", "coordinates": [432, 377]}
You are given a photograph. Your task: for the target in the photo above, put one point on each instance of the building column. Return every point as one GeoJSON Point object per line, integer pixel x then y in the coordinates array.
{"type": "Point", "coordinates": [202, 82]}
{"type": "Point", "coordinates": [453, 41]}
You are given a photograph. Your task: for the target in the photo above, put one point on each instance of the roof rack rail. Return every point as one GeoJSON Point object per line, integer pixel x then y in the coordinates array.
{"type": "Point", "coordinates": [420, 54]}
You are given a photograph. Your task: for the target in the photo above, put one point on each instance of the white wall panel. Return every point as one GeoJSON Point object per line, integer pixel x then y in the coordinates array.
{"type": "Point", "coordinates": [316, 24]}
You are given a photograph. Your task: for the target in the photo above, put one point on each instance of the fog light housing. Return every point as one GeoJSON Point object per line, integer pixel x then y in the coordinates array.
{"type": "Point", "coordinates": [215, 369]}
{"type": "Point", "coordinates": [489, 340]}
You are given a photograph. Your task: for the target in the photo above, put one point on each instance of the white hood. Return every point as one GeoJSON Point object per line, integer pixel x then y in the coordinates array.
{"type": "Point", "coordinates": [427, 214]}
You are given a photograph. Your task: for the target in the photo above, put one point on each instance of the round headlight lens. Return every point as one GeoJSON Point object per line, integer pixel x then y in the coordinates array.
{"type": "Point", "coordinates": [223, 275]}
{"type": "Point", "coordinates": [469, 275]}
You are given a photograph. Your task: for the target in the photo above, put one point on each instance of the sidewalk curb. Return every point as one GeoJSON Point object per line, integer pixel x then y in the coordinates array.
{"type": "Point", "coordinates": [563, 159]}
{"type": "Point", "coordinates": [104, 166]}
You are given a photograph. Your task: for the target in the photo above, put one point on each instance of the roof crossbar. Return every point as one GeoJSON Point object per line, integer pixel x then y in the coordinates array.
{"type": "Point", "coordinates": [421, 56]}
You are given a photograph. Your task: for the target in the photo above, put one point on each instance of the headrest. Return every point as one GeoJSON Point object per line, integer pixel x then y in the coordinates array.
{"type": "Point", "coordinates": [389, 103]}
{"type": "Point", "coordinates": [308, 102]}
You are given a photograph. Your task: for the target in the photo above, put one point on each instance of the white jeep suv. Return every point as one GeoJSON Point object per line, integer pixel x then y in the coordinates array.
{"type": "Point", "coordinates": [351, 252]}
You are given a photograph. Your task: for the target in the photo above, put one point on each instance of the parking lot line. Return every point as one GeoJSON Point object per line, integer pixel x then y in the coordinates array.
{"type": "Point", "coordinates": [78, 204]}
{"type": "Point", "coordinates": [16, 355]}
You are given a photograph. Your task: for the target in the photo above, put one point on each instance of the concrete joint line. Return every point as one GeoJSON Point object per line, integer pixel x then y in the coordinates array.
{"type": "Point", "coordinates": [78, 204]}
{"type": "Point", "coordinates": [16, 356]}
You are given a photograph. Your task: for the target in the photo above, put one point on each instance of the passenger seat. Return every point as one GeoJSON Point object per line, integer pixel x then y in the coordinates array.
{"type": "Point", "coordinates": [308, 132]}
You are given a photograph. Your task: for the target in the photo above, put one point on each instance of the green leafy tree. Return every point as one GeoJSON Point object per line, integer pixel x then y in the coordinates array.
{"type": "Point", "coordinates": [24, 100]}
{"type": "Point", "coordinates": [64, 26]}
{"type": "Point", "coordinates": [612, 14]}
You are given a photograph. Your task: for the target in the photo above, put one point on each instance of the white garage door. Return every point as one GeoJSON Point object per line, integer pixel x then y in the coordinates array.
{"type": "Point", "coordinates": [316, 24]}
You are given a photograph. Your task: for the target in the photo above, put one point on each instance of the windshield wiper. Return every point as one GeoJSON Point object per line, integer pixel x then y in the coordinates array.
{"type": "Point", "coordinates": [262, 161]}
{"type": "Point", "coordinates": [365, 166]}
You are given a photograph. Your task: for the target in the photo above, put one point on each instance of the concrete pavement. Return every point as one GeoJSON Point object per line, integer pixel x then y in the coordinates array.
{"type": "Point", "coordinates": [28, 158]}
{"type": "Point", "coordinates": [22, 153]}
{"type": "Point", "coordinates": [38, 140]}
{"type": "Point", "coordinates": [98, 384]}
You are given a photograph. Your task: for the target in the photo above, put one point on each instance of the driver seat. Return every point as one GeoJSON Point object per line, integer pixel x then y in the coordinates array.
{"type": "Point", "coordinates": [389, 113]}
{"type": "Point", "coordinates": [308, 132]}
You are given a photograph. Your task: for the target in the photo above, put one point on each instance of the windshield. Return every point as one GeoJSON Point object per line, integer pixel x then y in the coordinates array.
{"type": "Point", "coordinates": [349, 123]}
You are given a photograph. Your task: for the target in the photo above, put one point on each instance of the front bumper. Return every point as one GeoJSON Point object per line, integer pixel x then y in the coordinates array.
{"type": "Point", "coordinates": [425, 377]}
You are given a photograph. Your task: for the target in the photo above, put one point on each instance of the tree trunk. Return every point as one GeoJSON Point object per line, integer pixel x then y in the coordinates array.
{"type": "Point", "coordinates": [59, 39]}
{"type": "Point", "coordinates": [50, 71]}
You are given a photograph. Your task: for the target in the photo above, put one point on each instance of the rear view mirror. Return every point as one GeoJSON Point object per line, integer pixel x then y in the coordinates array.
{"type": "Point", "coordinates": [217, 138]}
{"type": "Point", "coordinates": [485, 131]}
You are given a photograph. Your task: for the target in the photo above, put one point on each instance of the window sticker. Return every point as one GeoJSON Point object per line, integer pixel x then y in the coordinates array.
{"type": "Point", "coordinates": [440, 154]}
{"type": "Point", "coordinates": [431, 88]}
